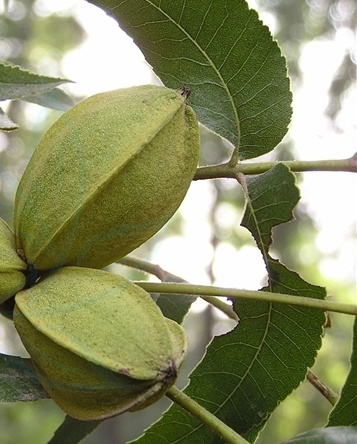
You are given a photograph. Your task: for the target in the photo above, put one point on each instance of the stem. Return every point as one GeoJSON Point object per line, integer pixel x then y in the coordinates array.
{"type": "Point", "coordinates": [233, 293]}
{"type": "Point", "coordinates": [199, 412]}
{"type": "Point", "coordinates": [326, 391]}
{"type": "Point", "coordinates": [222, 306]}
{"type": "Point", "coordinates": [234, 158]}
{"type": "Point", "coordinates": [165, 276]}
{"type": "Point", "coordinates": [149, 267]}
{"type": "Point", "coordinates": [230, 171]}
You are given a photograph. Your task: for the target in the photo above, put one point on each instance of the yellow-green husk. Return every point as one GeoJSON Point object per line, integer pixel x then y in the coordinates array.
{"type": "Point", "coordinates": [12, 268]}
{"type": "Point", "coordinates": [106, 177]}
{"type": "Point", "coordinates": [99, 343]}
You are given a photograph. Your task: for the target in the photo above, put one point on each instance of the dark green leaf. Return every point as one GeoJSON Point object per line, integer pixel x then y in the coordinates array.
{"type": "Point", "coordinates": [174, 307]}
{"type": "Point", "coordinates": [345, 411]}
{"type": "Point", "coordinates": [223, 53]}
{"type": "Point", "coordinates": [16, 83]}
{"type": "Point", "coordinates": [18, 381]}
{"type": "Point", "coordinates": [271, 199]}
{"type": "Point", "coordinates": [331, 435]}
{"type": "Point", "coordinates": [72, 431]}
{"type": "Point", "coordinates": [6, 124]}
{"type": "Point", "coordinates": [247, 372]}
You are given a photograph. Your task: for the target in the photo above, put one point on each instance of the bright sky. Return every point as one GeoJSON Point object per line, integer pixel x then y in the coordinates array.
{"type": "Point", "coordinates": [331, 198]}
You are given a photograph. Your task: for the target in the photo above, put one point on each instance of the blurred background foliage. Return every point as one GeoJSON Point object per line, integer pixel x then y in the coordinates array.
{"type": "Point", "coordinates": [34, 37]}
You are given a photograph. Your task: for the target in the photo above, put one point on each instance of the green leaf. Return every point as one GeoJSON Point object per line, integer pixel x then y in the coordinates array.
{"type": "Point", "coordinates": [344, 412]}
{"type": "Point", "coordinates": [223, 53]}
{"type": "Point", "coordinates": [6, 124]}
{"type": "Point", "coordinates": [331, 435]}
{"type": "Point", "coordinates": [172, 306]}
{"type": "Point", "coordinates": [72, 431]}
{"type": "Point", "coordinates": [18, 381]}
{"type": "Point", "coordinates": [247, 372]}
{"type": "Point", "coordinates": [270, 200]}
{"type": "Point", "coordinates": [55, 99]}
{"type": "Point", "coordinates": [17, 83]}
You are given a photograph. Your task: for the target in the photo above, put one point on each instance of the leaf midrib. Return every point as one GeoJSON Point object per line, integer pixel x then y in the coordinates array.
{"type": "Point", "coordinates": [210, 61]}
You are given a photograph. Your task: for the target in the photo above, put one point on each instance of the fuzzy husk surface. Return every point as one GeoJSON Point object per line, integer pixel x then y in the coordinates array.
{"type": "Point", "coordinates": [99, 343]}
{"type": "Point", "coordinates": [106, 177]}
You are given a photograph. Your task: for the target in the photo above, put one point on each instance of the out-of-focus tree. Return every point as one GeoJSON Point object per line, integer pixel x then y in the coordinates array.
{"type": "Point", "coordinates": [36, 40]}
{"type": "Point", "coordinates": [31, 39]}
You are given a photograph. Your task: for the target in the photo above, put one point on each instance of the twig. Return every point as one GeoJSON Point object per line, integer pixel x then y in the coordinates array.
{"type": "Point", "coordinates": [165, 276]}
{"type": "Point", "coordinates": [227, 170]}
{"type": "Point", "coordinates": [233, 293]}
{"type": "Point", "coordinates": [327, 392]}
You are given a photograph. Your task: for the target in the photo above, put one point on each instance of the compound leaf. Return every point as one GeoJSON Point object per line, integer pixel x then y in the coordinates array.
{"type": "Point", "coordinates": [247, 372]}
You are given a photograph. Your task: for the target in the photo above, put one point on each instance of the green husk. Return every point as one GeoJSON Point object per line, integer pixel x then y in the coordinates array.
{"type": "Point", "coordinates": [99, 343]}
{"type": "Point", "coordinates": [12, 268]}
{"type": "Point", "coordinates": [106, 177]}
